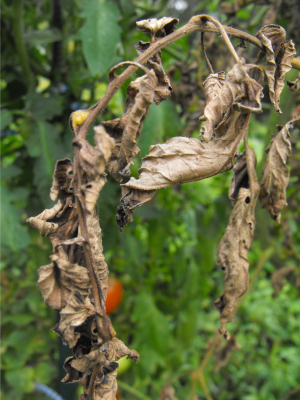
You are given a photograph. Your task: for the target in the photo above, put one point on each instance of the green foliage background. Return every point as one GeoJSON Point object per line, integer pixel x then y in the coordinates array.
{"type": "Point", "coordinates": [166, 258]}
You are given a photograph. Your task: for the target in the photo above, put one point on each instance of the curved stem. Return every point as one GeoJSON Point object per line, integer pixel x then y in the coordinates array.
{"type": "Point", "coordinates": [205, 55]}
{"type": "Point", "coordinates": [224, 35]}
{"type": "Point", "coordinates": [195, 24]}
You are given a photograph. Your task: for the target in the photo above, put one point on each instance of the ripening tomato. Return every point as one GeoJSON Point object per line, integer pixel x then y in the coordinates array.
{"type": "Point", "coordinates": [118, 396]}
{"type": "Point", "coordinates": [114, 295]}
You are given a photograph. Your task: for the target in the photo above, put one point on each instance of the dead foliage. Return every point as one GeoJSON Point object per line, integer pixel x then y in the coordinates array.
{"type": "Point", "coordinates": [75, 281]}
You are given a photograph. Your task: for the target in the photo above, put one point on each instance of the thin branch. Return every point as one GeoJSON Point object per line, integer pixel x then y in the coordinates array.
{"type": "Point", "coordinates": [205, 55]}
{"type": "Point", "coordinates": [196, 23]}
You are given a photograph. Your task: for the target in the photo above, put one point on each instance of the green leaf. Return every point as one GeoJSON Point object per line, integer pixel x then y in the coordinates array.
{"type": "Point", "coordinates": [100, 35]}
{"type": "Point", "coordinates": [21, 379]}
{"type": "Point", "coordinates": [13, 234]}
{"type": "Point", "coordinates": [44, 108]}
{"type": "Point", "coordinates": [43, 37]}
{"type": "Point", "coordinates": [5, 118]}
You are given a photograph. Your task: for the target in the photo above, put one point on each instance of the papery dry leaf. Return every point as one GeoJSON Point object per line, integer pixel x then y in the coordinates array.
{"type": "Point", "coordinates": [90, 192]}
{"type": "Point", "coordinates": [158, 27]}
{"type": "Point", "coordinates": [278, 277]}
{"type": "Point", "coordinates": [74, 314]}
{"type": "Point", "coordinates": [279, 55]}
{"type": "Point", "coordinates": [81, 365]}
{"type": "Point", "coordinates": [163, 88]}
{"type": "Point", "coordinates": [222, 356]}
{"type": "Point", "coordinates": [294, 85]}
{"type": "Point", "coordinates": [93, 159]}
{"type": "Point", "coordinates": [59, 280]}
{"type": "Point", "coordinates": [238, 90]}
{"type": "Point", "coordinates": [232, 251]}
{"type": "Point", "coordinates": [240, 177]}
{"type": "Point", "coordinates": [182, 160]}
{"type": "Point", "coordinates": [129, 148]}
{"type": "Point", "coordinates": [61, 179]}
{"type": "Point", "coordinates": [107, 388]}
{"type": "Point", "coordinates": [276, 173]}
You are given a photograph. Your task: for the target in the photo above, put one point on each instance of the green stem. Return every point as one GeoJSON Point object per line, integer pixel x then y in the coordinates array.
{"type": "Point", "coordinates": [18, 29]}
{"type": "Point", "coordinates": [133, 391]}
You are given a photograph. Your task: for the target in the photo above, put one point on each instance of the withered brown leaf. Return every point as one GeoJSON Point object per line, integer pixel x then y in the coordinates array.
{"type": "Point", "coordinates": [158, 27]}
{"type": "Point", "coordinates": [279, 275]}
{"type": "Point", "coordinates": [128, 147]}
{"type": "Point", "coordinates": [276, 173]}
{"type": "Point", "coordinates": [232, 251]}
{"type": "Point", "coordinates": [294, 85]}
{"type": "Point", "coordinates": [182, 160]}
{"type": "Point", "coordinates": [74, 314]}
{"type": "Point", "coordinates": [238, 91]}
{"type": "Point", "coordinates": [279, 55]}
{"type": "Point", "coordinates": [61, 179]}
{"type": "Point", "coordinates": [59, 280]}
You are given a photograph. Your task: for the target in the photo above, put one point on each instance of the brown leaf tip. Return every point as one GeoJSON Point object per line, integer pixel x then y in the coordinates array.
{"type": "Point", "coordinates": [158, 27]}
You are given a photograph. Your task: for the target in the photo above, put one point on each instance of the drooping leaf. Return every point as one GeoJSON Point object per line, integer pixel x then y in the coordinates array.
{"type": "Point", "coordinates": [129, 148]}
{"type": "Point", "coordinates": [182, 160]}
{"type": "Point", "coordinates": [233, 249]}
{"type": "Point", "coordinates": [276, 173]}
{"type": "Point", "coordinates": [279, 55]}
{"type": "Point", "coordinates": [222, 355]}
{"type": "Point", "coordinates": [240, 177]}
{"type": "Point", "coordinates": [238, 91]}
{"type": "Point", "coordinates": [100, 35]}
{"type": "Point", "coordinates": [279, 275]}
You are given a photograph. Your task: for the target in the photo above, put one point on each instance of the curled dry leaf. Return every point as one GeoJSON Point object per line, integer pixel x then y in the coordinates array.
{"type": "Point", "coordinates": [74, 314]}
{"type": "Point", "coordinates": [238, 91]}
{"type": "Point", "coordinates": [158, 28]}
{"type": "Point", "coordinates": [279, 55]}
{"type": "Point", "coordinates": [81, 365]}
{"type": "Point", "coordinates": [163, 88]}
{"type": "Point", "coordinates": [276, 173]}
{"type": "Point", "coordinates": [233, 249]}
{"type": "Point", "coordinates": [240, 177]}
{"type": "Point", "coordinates": [182, 160]}
{"type": "Point", "coordinates": [60, 280]}
{"type": "Point", "coordinates": [61, 180]}
{"type": "Point", "coordinates": [294, 85]}
{"type": "Point", "coordinates": [129, 148]}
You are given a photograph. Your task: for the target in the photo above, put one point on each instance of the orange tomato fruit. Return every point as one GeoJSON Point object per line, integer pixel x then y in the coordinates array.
{"type": "Point", "coordinates": [114, 295]}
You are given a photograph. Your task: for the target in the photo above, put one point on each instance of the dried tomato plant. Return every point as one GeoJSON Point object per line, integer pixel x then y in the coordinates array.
{"type": "Point", "coordinates": [75, 282]}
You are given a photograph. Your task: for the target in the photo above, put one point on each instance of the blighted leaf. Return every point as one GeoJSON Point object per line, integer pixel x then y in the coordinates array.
{"type": "Point", "coordinates": [276, 173]}
{"type": "Point", "coordinates": [233, 249]}
{"type": "Point", "coordinates": [104, 358]}
{"type": "Point", "coordinates": [238, 90]}
{"type": "Point", "coordinates": [182, 160]}
{"type": "Point", "coordinates": [61, 179]}
{"type": "Point", "coordinates": [90, 192]}
{"type": "Point", "coordinates": [93, 159]}
{"type": "Point", "coordinates": [72, 315]}
{"type": "Point", "coordinates": [222, 355]}
{"type": "Point", "coordinates": [158, 27]}
{"type": "Point", "coordinates": [294, 85]}
{"type": "Point", "coordinates": [129, 148]}
{"type": "Point", "coordinates": [163, 88]}
{"type": "Point", "coordinates": [240, 177]}
{"type": "Point", "coordinates": [279, 55]}
{"type": "Point", "coordinates": [59, 280]}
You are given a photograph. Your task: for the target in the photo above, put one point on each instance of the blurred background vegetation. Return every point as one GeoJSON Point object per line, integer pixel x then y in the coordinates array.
{"type": "Point", "coordinates": [55, 58]}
